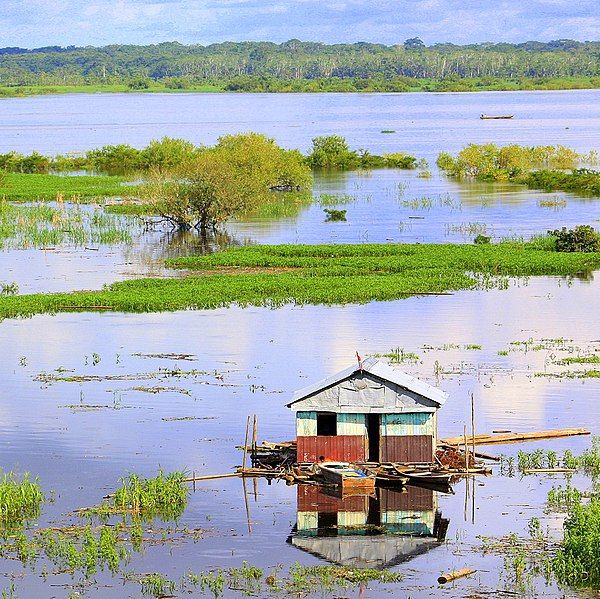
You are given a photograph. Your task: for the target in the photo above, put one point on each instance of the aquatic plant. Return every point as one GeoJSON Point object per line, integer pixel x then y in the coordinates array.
{"type": "Point", "coordinates": [40, 225]}
{"type": "Point", "coordinates": [146, 498]}
{"type": "Point", "coordinates": [320, 274]}
{"type": "Point", "coordinates": [488, 162]}
{"type": "Point", "coordinates": [588, 461]}
{"type": "Point", "coordinates": [8, 288]}
{"type": "Point", "coordinates": [20, 500]}
{"type": "Point", "coordinates": [333, 215]}
{"type": "Point", "coordinates": [397, 355]}
{"type": "Point", "coordinates": [156, 585]}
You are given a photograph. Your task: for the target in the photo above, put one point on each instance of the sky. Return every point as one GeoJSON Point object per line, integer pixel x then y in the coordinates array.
{"type": "Point", "coordinates": [35, 23]}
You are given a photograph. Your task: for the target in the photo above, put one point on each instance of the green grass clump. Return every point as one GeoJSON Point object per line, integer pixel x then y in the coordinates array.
{"type": "Point", "coordinates": [156, 585]}
{"type": "Point", "coordinates": [164, 496]}
{"type": "Point", "coordinates": [314, 274]}
{"type": "Point", "coordinates": [588, 462]}
{"type": "Point", "coordinates": [33, 187]}
{"type": "Point", "coordinates": [20, 500]}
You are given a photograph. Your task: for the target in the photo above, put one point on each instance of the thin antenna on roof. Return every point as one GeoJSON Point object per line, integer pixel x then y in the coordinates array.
{"type": "Point", "coordinates": [360, 361]}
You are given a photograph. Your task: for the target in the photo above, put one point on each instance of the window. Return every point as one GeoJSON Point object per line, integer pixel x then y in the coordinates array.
{"type": "Point", "coordinates": [326, 424]}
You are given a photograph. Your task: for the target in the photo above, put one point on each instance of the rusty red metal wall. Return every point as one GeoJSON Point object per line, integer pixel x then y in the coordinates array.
{"type": "Point", "coordinates": [341, 448]}
{"type": "Point", "coordinates": [407, 448]}
{"type": "Point", "coordinates": [312, 499]}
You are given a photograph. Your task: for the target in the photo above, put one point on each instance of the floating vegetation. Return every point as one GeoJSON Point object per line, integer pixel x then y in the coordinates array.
{"type": "Point", "coordinates": [43, 226]}
{"type": "Point", "coordinates": [166, 356]}
{"type": "Point", "coordinates": [595, 359]}
{"type": "Point", "coordinates": [156, 585]}
{"type": "Point", "coordinates": [253, 581]}
{"type": "Point", "coordinates": [452, 346]}
{"type": "Point", "coordinates": [314, 274]}
{"type": "Point", "coordinates": [588, 462]}
{"type": "Point", "coordinates": [20, 500]}
{"type": "Point", "coordinates": [554, 203]}
{"type": "Point", "coordinates": [479, 229]}
{"type": "Point", "coordinates": [422, 203]}
{"type": "Point", "coordinates": [59, 376]}
{"type": "Point", "coordinates": [570, 374]}
{"type": "Point", "coordinates": [397, 355]}
{"type": "Point", "coordinates": [333, 215]}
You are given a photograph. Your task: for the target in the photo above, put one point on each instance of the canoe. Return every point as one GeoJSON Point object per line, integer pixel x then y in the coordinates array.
{"type": "Point", "coordinates": [496, 116]}
{"type": "Point", "coordinates": [346, 476]}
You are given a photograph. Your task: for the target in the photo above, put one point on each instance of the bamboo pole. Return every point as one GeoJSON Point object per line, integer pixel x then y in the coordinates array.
{"type": "Point", "coordinates": [473, 423]}
{"type": "Point", "coordinates": [466, 449]}
{"type": "Point", "coordinates": [211, 477]}
{"type": "Point", "coordinates": [254, 434]}
{"type": "Point", "coordinates": [246, 444]}
{"type": "Point", "coordinates": [449, 576]}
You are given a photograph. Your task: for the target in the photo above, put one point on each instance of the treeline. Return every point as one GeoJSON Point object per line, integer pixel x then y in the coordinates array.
{"type": "Point", "coordinates": [304, 66]}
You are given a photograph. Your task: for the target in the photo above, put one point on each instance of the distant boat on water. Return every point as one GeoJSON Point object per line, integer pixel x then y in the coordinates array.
{"type": "Point", "coordinates": [496, 116]}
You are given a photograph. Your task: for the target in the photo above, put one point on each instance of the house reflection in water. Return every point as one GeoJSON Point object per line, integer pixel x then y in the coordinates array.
{"type": "Point", "coordinates": [361, 531]}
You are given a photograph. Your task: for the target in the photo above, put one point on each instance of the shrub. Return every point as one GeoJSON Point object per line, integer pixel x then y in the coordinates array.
{"type": "Point", "coordinates": [482, 239]}
{"type": "Point", "coordinates": [583, 238]}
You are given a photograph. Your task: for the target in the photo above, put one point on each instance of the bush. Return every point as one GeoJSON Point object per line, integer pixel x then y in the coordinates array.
{"type": "Point", "coordinates": [583, 238]}
{"type": "Point", "coordinates": [482, 240]}
{"type": "Point", "coordinates": [332, 152]}
{"type": "Point", "coordinates": [138, 84]}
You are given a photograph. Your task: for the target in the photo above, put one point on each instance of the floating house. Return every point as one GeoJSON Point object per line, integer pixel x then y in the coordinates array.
{"type": "Point", "coordinates": [370, 412]}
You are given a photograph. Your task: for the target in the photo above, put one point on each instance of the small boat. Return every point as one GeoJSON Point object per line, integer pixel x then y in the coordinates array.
{"type": "Point", "coordinates": [346, 476]}
{"type": "Point", "coordinates": [496, 116]}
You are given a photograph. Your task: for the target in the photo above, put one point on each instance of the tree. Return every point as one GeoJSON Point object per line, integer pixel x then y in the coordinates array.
{"type": "Point", "coordinates": [332, 152]}
{"type": "Point", "coordinates": [414, 43]}
{"type": "Point", "coordinates": [239, 173]}
{"type": "Point", "coordinates": [167, 153]}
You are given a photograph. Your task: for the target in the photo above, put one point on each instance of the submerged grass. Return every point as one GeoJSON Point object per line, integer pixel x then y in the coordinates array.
{"type": "Point", "coordinates": [28, 187]}
{"type": "Point", "coordinates": [40, 225]}
{"type": "Point", "coordinates": [320, 274]}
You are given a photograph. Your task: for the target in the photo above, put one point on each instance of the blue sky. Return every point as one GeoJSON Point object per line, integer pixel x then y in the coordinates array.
{"type": "Point", "coordinates": [33, 23]}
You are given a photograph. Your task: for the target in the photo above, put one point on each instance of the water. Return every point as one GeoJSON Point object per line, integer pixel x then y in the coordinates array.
{"type": "Point", "coordinates": [425, 123]}
{"type": "Point", "coordinates": [81, 437]}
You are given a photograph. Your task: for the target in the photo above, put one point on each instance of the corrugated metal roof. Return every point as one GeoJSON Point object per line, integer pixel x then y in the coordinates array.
{"type": "Point", "coordinates": [381, 370]}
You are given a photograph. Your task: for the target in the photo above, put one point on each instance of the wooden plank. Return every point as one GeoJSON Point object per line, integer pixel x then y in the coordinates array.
{"type": "Point", "coordinates": [513, 437]}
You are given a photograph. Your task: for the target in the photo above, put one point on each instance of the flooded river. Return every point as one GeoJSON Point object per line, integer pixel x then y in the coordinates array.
{"type": "Point", "coordinates": [143, 409]}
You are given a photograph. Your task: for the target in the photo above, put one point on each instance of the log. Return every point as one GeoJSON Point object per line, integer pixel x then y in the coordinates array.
{"type": "Point", "coordinates": [444, 578]}
{"type": "Point", "coordinates": [512, 437]}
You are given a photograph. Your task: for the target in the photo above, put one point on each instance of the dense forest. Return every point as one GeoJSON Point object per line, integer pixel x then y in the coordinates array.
{"type": "Point", "coordinates": [304, 66]}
